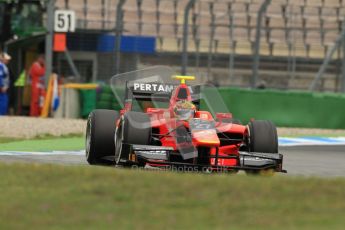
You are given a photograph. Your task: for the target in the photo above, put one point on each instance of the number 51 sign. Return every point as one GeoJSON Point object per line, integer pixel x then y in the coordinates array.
{"type": "Point", "coordinates": [64, 21]}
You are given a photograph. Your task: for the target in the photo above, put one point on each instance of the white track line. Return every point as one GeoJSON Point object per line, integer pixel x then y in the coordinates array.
{"type": "Point", "coordinates": [283, 141]}
{"type": "Point", "coordinates": [310, 141]}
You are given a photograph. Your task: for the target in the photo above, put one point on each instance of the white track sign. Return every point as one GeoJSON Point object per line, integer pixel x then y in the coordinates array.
{"type": "Point", "coordinates": [64, 21]}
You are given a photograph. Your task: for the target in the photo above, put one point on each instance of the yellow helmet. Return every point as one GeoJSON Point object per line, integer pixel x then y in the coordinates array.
{"type": "Point", "coordinates": [184, 110]}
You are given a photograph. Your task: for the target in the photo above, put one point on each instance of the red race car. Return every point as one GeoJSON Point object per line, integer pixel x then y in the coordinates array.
{"type": "Point", "coordinates": [167, 123]}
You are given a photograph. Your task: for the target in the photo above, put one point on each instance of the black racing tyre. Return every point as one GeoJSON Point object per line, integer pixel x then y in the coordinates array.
{"type": "Point", "coordinates": [134, 128]}
{"type": "Point", "coordinates": [100, 133]}
{"type": "Point", "coordinates": [137, 128]}
{"type": "Point", "coordinates": [263, 137]}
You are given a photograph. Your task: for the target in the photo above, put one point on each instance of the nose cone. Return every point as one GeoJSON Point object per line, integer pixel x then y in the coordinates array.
{"type": "Point", "coordinates": [207, 137]}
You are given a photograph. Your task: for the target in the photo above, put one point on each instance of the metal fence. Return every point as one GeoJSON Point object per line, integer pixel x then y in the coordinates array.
{"type": "Point", "coordinates": [284, 44]}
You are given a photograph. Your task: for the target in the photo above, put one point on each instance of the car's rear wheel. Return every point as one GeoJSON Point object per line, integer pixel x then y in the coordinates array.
{"type": "Point", "coordinates": [100, 132]}
{"type": "Point", "coordinates": [134, 128]}
{"type": "Point", "coordinates": [262, 138]}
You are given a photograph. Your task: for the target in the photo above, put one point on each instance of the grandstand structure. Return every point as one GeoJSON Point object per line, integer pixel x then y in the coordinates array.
{"type": "Point", "coordinates": [295, 36]}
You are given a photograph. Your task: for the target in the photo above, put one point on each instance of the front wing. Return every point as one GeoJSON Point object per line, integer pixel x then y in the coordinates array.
{"type": "Point", "coordinates": [160, 156]}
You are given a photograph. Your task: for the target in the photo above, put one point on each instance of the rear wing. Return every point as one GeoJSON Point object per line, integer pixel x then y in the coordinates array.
{"type": "Point", "coordinates": [154, 91]}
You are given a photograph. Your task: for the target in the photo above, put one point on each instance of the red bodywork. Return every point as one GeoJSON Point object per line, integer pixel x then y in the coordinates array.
{"type": "Point", "coordinates": [162, 120]}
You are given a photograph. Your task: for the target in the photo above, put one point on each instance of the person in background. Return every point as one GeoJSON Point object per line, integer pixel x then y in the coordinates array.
{"type": "Point", "coordinates": [12, 95]}
{"type": "Point", "coordinates": [36, 72]}
{"type": "Point", "coordinates": [4, 82]}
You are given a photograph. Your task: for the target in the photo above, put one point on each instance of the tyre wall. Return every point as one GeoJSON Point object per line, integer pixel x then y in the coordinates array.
{"type": "Point", "coordinates": [106, 99]}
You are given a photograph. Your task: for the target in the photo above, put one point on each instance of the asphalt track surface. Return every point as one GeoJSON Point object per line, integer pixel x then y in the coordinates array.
{"type": "Point", "coordinates": [324, 161]}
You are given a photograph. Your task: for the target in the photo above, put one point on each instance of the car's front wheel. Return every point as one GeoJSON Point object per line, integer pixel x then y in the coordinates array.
{"type": "Point", "coordinates": [100, 132]}
{"type": "Point", "coordinates": [262, 138]}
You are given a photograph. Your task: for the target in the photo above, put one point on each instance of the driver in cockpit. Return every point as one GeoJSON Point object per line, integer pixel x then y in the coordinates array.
{"type": "Point", "coordinates": [184, 110]}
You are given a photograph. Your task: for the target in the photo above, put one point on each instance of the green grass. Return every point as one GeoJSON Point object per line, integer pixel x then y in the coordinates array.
{"type": "Point", "coordinates": [8, 139]}
{"type": "Point", "coordinates": [85, 197]}
{"type": "Point", "coordinates": [40, 137]}
{"type": "Point", "coordinates": [43, 144]}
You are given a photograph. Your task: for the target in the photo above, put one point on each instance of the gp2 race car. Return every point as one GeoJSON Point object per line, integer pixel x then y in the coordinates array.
{"type": "Point", "coordinates": [169, 125]}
